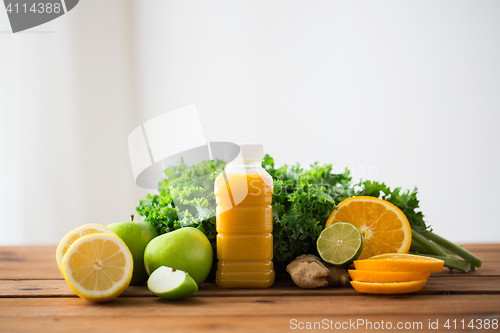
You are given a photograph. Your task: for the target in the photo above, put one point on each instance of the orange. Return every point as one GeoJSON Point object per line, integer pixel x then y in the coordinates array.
{"type": "Point", "coordinates": [383, 226]}
{"type": "Point", "coordinates": [385, 277]}
{"type": "Point", "coordinates": [392, 262]}
{"type": "Point", "coordinates": [388, 288]}
{"type": "Point", "coordinates": [98, 267]}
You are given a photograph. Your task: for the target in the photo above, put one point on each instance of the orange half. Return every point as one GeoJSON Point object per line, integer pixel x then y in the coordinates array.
{"type": "Point", "coordinates": [383, 226]}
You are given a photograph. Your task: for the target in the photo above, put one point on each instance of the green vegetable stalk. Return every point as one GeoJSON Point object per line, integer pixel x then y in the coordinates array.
{"type": "Point", "coordinates": [429, 244]}
{"type": "Point", "coordinates": [475, 261]}
{"type": "Point", "coordinates": [424, 241]}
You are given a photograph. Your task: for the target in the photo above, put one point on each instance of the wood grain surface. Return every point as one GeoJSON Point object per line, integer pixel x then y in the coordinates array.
{"type": "Point", "coordinates": [35, 298]}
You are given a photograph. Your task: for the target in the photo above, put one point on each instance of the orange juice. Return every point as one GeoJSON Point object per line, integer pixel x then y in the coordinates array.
{"type": "Point", "coordinates": [243, 194]}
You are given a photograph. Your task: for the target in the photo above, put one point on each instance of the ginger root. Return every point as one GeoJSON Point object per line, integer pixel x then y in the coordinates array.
{"type": "Point", "coordinates": [307, 271]}
{"type": "Point", "coordinates": [339, 277]}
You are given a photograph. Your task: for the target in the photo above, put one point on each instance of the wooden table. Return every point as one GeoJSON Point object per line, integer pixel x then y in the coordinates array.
{"type": "Point", "coordinates": [35, 298]}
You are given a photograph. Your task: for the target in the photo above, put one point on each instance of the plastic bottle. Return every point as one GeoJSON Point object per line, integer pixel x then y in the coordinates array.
{"type": "Point", "coordinates": [243, 194]}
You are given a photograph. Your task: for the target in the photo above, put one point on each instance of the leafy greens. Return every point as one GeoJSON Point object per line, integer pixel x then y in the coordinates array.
{"type": "Point", "coordinates": [302, 202]}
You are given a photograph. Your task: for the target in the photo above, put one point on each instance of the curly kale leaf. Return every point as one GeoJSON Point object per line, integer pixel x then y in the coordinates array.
{"type": "Point", "coordinates": [186, 199]}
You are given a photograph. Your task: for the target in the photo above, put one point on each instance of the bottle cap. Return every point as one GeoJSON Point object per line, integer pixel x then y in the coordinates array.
{"type": "Point", "coordinates": [248, 152]}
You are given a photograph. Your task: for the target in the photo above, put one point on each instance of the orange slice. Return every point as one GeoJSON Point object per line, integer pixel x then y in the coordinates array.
{"type": "Point", "coordinates": [98, 267]}
{"type": "Point", "coordinates": [388, 288]}
{"type": "Point", "coordinates": [386, 277]}
{"type": "Point", "coordinates": [393, 262]}
{"type": "Point", "coordinates": [383, 226]}
{"type": "Point", "coordinates": [73, 235]}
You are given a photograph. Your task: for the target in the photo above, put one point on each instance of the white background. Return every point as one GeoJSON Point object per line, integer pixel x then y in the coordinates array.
{"type": "Point", "coordinates": [406, 92]}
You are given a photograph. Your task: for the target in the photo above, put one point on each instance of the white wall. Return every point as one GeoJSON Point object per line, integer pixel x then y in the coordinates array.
{"type": "Point", "coordinates": [67, 106]}
{"type": "Point", "coordinates": [406, 89]}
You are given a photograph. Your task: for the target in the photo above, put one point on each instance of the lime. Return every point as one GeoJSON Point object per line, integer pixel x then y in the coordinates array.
{"type": "Point", "coordinates": [340, 244]}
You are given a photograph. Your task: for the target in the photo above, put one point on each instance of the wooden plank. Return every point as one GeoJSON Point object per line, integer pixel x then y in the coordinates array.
{"type": "Point", "coordinates": [38, 262]}
{"type": "Point", "coordinates": [254, 306]}
{"type": "Point", "coordinates": [282, 287]}
{"type": "Point", "coordinates": [488, 256]}
{"type": "Point", "coordinates": [36, 288]}
{"type": "Point", "coordinates": [471, 285]}
{"type": "Point", "coordinates": [487, 269]}
{"type": "Point", "coordinates": [153, 324]}
{"type": "Point", "coordinates": [28, 262]}
{"type": "Point", "coordinates": [483, 247]}
{"type": "Point", "coordinates": [56, 288]}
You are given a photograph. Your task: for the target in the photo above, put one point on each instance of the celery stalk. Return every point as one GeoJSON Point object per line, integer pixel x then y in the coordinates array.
{"type": "Point", "coordinates": [458, 250]}
{"type": "Point", "coordinates": [431, 247]}
{"type": "Point", "coordinates": [456, 263]}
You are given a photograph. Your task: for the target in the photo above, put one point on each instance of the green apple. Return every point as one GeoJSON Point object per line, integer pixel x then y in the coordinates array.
{"type": "Point", "coordinates": [172, 284]}
{"type": "Point", "coordinates": [136, 235]}
{"type": "Point", "coordinates": [186, 249]}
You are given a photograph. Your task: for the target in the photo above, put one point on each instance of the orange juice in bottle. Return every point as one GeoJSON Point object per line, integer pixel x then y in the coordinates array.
{"type": "Point", "coordinates": [243, 193]}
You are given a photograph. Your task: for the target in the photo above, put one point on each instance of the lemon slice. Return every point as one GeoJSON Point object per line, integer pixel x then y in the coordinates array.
{"type": "Point", "coordinates": [98, 267]}
{"type": "Point", "coordinates": [340, 244]}
{"type": "Point", "coordinates": [73, 235]}
{"type": "Point", "coordinates": [394, 262]}
{"type": "Point", "coordinates": [388, 288]}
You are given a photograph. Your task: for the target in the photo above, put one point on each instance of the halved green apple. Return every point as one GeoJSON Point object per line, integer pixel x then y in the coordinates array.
{"type": "Point", "coordinates": [170, 283]}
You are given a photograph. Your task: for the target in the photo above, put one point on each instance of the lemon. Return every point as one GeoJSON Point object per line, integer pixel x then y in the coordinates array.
{"type": "Point", "coordinates": [98, 267]}
{"type": "Point", "coordinates": [340, 244]}
{"type": "Point", "coordinates": [73, 235]}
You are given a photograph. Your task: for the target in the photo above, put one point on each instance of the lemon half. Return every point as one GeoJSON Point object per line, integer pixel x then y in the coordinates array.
{"type": "Point", "coordinates": [98, 267]}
